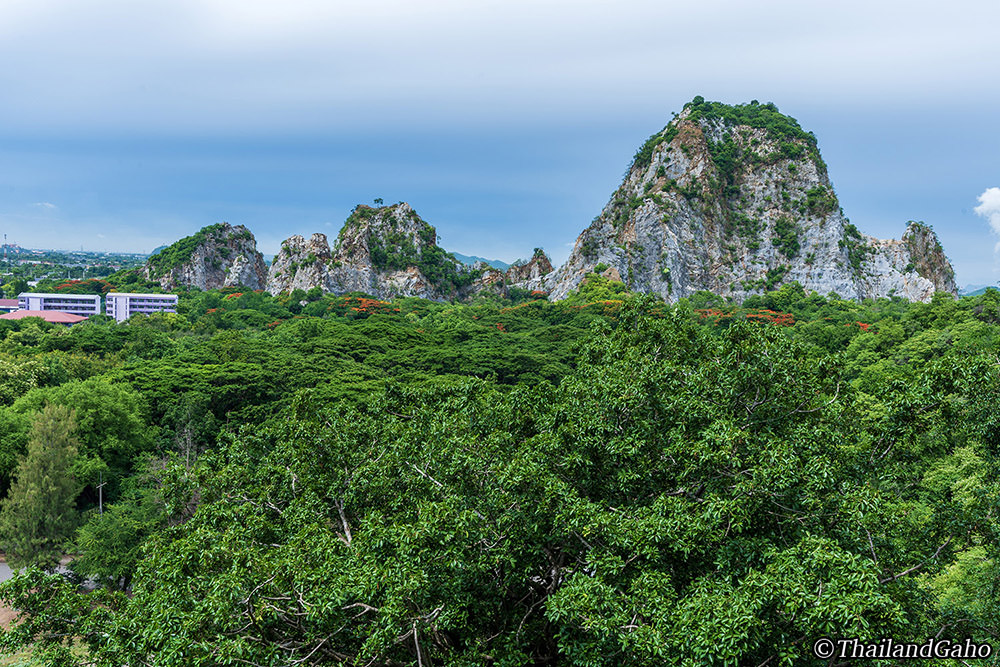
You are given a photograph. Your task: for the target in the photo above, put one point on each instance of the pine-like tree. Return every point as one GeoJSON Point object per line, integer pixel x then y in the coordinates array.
{"type": "Point", "coordinates": [38, 515]}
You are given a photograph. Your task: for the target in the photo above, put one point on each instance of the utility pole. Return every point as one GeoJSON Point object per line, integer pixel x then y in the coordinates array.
{"type": "Point", "coordinates": [100, 494]}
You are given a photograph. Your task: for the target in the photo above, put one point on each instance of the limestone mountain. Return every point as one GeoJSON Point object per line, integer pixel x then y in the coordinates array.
{"type": "Point", "coordinates": [736, 200]}
{"type": "Point", "coordinates": [384, 251]}
{"type": "Point", "coordinates": [220, 255]}
{"type": "Point", "coordinates": [391, 251]}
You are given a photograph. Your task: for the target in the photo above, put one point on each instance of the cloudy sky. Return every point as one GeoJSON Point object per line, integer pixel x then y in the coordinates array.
{"type": "Point", "coordinates": [507, 124]}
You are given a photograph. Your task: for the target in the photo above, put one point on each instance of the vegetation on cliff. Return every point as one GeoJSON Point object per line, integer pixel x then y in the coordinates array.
{"type": "Point", "coordinates": [793, 142]}
{"type": "Point", "coordinates": [924, 247]}
{"type": "Point", "coordinates": [735, 199]}
{"type": "Point", "coordinates": [180, 252]}
{"type": "Point", "coordinates": [214, 242]}
{"type": "Point", "coordinates": [395, 245]}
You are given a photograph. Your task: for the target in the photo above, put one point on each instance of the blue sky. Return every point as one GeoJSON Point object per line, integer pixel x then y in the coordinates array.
{"type": "Point", "coordinates": [507, 125]}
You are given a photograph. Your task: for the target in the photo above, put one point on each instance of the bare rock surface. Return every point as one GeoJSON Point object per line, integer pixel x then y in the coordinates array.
{"type": "Point", "coordinates": [217, 256]}
{"type": "Point", "coordinates": [384, 251]}
{"type": "Point", "coordinates": [736, 201]}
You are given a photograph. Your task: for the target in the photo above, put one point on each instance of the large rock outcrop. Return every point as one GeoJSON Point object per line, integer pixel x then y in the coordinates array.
{"type": "Point", "coordinates": [531, 274]}
{"type": "Point", "coordinates": [390, 251]}
{"type": "Point", "coordinates": [386, 251]}
{"type": "Point", "coordinates": [736, 201]}
{"type": "Point", "coordinates": [300, 264]}
{"type": "Point", "coordinates": [220, 255]}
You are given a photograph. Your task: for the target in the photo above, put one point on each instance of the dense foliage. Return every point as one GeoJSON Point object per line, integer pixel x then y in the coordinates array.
{"type": "Point", "coordinates": [730, 152]}
{"type": "Point", "coordinates": [605, 480]}
{"type": "Point", "coordinates": [764, 116]}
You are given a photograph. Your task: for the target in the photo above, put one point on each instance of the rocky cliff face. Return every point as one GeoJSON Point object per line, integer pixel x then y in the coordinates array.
{"type": "Point", "coordinates": [914, 267]}
{"type": "Point", "coordinates": [217, 256]}
{"type": "Point", "coordinates": [531, 274]}
{"type": "Point", "coordinates": [300, 264]}
{"type": "Point", "coordinates": [390, 251]}
{"type": "Point", "coordinates": [386, 251]}
{"type": "Point", "coordinates": [736, 201]}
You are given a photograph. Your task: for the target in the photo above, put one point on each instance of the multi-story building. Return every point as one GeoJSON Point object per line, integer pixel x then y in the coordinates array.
{"type": "Point", "coordinates": [123, 305]}
{"type": "Point", "coordinates": [77, 304]}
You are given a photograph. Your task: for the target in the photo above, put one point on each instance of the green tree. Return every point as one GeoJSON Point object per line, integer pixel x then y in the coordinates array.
{"type": "Point", "coordinates": [18, 375]}
{"type": "Point", "coordinates": [109, 545]}
{"type": "Point", "coordinates": [680, 492]}
{"type": "Point", "coordinates": [14, 429]}
{"type": "Point", "coordinates": [110, 417]}
{"type": "Point", "coordinates": [38, 515]}
{"type": "Point", "coordinates": [15, 287]}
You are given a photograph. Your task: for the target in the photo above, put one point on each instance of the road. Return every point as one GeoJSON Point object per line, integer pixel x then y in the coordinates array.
{"type": "Point", "coordinates": [6, 573]}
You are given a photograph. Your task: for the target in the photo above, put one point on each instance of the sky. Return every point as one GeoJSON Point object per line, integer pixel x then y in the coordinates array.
{"type": "Point", "coordinates": [507, 125]}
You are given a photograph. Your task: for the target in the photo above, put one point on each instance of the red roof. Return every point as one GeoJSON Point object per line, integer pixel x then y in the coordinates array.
{"type": "Point", "coordinates": [8, 303]}
{"type": "Point", "coordinates": [54, 316]}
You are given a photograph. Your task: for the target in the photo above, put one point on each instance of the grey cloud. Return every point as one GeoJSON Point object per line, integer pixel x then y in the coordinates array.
{"type": "Point", "coordinates": [225, 66]}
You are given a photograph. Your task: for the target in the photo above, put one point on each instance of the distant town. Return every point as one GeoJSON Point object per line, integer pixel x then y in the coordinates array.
{"type": "Point", "coordinates": [23, 269]}
{"type": "Point", "coordinates": [34, 265]}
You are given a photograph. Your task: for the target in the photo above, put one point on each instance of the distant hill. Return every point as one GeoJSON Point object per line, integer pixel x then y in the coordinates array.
{"type": "Point", "coordinates": [975, 290]}
{"type": "Point", "coordinates": [158, 249]}
{"type": "Point", "coordinates": [469, 260]}
{"type": "Point", "coordinates": [730, 199]}
{"type": "Point", "coordinates": [383, 251]}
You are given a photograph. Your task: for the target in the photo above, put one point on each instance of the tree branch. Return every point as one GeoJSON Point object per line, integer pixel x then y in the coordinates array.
{"type": "Point", "coordinates": [917, 566]}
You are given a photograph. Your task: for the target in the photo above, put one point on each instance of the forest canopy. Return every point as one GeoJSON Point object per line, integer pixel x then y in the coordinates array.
{"type": "Point", "coordinates": [605, 480]}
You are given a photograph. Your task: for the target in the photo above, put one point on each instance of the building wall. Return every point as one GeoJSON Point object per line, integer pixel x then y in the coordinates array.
{"type": "Point", "coordinates": [78, 304]}
{"type": "Point", "coordinates": [122, 306]}
{"type": "Point", "coordinates": [119, 305]}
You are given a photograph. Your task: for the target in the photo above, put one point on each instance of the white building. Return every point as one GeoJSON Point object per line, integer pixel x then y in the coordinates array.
{"type": "Point", "coordinates": [77, 304]}
{"type": "Point", "coordinates": [123, 305]}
